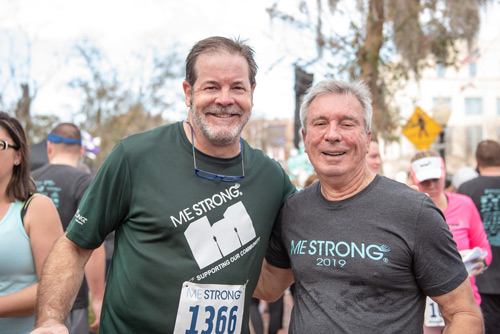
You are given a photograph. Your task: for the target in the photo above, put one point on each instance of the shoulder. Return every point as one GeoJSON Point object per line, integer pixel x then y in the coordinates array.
{"type": "Point", "coordinates": [391, 185]}
{"type": "Point", "coordinates": [141, 144]}
{"type": "Point", "coordinates": [40, 170]}
{"type": "Point", "coordinates": [39, 208]}
{"type": "Point", "coordinates": [146, 145]}
{"type": "Point", "coordinates": [302, 196]}
{"type": "Point", "coordinates": [40, 203]}
{"type": "Point", "coordinates": [478, 184]}
{"type": "Point", "coordinates": [61, 173]}
{"type": "Point", "coordinates": [467, 186]}
{"type": "Point", "coordinates": [150, 138]}
{"type": "Point", "coordinates": [460, 198]}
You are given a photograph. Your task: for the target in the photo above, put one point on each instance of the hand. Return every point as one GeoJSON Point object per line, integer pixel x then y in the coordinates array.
{"type": "Point", "coordinates": [96, 306]}
{"type": "Point", "coordinates": [53, 328]}
{"type": "Point", "coordinates": [480, 268]}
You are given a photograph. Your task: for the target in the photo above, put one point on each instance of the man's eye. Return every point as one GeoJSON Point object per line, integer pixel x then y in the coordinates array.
{"type": "Point", "coordinates": [348, 124]}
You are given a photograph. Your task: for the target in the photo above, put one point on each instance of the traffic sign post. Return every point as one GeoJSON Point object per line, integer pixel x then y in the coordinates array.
{"type": "Point", "coordinates": [421, 129]}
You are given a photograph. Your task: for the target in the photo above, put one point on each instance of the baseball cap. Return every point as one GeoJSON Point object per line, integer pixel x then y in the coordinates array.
{"type": "Point", "coordinates": [427, 168]}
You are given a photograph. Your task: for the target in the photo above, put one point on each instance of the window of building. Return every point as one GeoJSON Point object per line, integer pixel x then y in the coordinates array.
{"type": "Point", "coordinates": [473, 135]}
{"type": "Point", "coordinates": [442, 100]}
{"type": "Point", "coordinates": [440, 69]}
{"type": "Point", "coordinates": [473, 106]}
{"type": "Point", "coordinates": [472, 69]}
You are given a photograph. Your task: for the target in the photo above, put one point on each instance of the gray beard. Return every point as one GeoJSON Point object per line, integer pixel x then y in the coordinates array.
{"type": "Point", "coordinates": [219, 137]}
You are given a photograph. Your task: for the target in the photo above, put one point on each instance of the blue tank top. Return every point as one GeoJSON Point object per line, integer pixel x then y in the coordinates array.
{"type": "Point", "coordinates": [17, 268]}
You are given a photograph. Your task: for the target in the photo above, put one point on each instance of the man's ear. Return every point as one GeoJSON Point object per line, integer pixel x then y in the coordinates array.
{"type": "Point", "coordinates": [252, 90]}
{"type": "Point", "coordinates": [49, 148]}
{"type": "Point", "coordinates": [187, 92]}
{"type": "Point", "coordinates": [304, 134]}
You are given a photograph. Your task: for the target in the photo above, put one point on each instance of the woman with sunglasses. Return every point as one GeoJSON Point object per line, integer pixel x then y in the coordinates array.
{"type": "Point", "coordinates": [27, 233]}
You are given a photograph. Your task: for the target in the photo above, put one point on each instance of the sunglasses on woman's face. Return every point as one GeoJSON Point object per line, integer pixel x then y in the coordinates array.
{"type": "Point", "coordinates": [4, 145]}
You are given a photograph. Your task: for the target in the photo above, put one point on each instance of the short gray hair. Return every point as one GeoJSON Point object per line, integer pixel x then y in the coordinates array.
{"type": "Point", "coordinates": [358, 89]}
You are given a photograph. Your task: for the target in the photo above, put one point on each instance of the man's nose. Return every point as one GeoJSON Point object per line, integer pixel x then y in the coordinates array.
{"type": "Point", "coordinates": [225, 97]}
{"type": "Point", "coordinates": [333, 133]}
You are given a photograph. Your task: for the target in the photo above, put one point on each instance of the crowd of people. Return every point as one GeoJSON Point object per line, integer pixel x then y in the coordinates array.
{"type": "Point", "coordinates": [205, 227]}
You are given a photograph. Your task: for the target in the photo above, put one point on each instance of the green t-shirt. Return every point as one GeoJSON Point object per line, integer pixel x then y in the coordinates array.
{"type": "Point", "coordinates": [174, 227]}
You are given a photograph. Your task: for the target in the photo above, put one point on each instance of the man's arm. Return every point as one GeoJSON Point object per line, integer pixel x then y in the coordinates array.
{"type": "Point", "coordinates": [460, 311]}
{"type": "Point", "coordinates": [95, 273]}
{"type": "Point", "coordinates": [62, 276]}
{"type": "Point", "coordinates": [273, 281]}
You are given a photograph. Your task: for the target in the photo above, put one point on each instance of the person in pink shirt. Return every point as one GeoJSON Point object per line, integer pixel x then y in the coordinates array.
{"type": "Point", "coordinates": [428, 173]}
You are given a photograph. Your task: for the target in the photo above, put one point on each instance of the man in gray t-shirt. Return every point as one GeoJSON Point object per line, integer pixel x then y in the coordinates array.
{"type": "Point", "coordinates": [364, 251]}
{"type": "Point", "coordinates": [65, 183]}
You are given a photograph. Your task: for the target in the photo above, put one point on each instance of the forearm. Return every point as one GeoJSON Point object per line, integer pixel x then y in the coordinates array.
{"type": "Point", "coordinates": [62, 276]}
{"type": "Point", "coordinates": [460, 311]}
{"type": "Point", "coordinates": [95, 273]}
{"type": "Point", "coordinates": [19, 304]}
{"type": "Point", "coordinates": [273, 282]}
{"type": "Point", "coordinates": [465, 323]}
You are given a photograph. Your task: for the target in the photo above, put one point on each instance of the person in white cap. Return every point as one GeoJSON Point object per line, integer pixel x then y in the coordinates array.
{"type": "Point", "coordinates": [428, 173]}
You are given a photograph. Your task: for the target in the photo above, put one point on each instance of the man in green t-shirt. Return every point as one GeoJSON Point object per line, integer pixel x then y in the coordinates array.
{"type": "Point", "coordinates": [192, 206]}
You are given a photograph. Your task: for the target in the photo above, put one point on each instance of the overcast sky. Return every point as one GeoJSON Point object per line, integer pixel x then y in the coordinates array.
{"type": "Point", "coordinates": [127, 27]}
{"type": "Point", "coordinates": [123, 28]}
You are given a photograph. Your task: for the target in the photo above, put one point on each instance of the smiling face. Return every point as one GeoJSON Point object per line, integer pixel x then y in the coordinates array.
{"type": "Point", "coordinates": [220, 100]}
{"type": "Point", "coordinates": [335, 137]}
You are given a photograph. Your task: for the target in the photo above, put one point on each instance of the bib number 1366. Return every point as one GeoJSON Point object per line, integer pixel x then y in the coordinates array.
{"type": "Point", "coordinates": [210, 309]}
{"type": "Point", "coordinates": [222, 322]}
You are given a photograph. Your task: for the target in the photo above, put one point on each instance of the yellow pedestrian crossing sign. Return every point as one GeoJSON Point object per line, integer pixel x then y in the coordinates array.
{"type": "Point", "coordinates": [421, 129]}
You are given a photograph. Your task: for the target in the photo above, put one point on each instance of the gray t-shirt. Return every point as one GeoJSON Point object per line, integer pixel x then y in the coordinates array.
{"type": "Point", "coordinates": [364, 264]}
{"type": "Point", "coordinates": [65, 185]}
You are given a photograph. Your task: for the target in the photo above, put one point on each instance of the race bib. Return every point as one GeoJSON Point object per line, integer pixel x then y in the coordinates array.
{"type": "Point", "coordinates": [432, 316]}
{"type": "Point", "coordinates": [210, 308]}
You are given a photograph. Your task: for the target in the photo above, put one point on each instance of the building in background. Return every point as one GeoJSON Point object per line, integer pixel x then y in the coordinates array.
{"type": "Point", "coordinates": [464, 99]}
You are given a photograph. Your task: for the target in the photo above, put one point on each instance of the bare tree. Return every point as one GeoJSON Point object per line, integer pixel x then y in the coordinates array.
{"type": "Point", "coordinates": [17, 88]}
{"type": "Point", "coordinates": [415, 30]}
{"type": "Point", "coordinates": [115, 106]}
